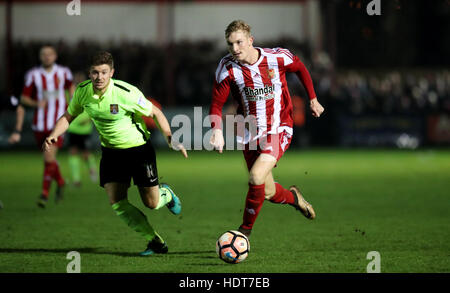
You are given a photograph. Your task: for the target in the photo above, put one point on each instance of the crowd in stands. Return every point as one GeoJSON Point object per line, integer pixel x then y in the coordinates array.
{"type": "Point", "coordinates": [182, 74]}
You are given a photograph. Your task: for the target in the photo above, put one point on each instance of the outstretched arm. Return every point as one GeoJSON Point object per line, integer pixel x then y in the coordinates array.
{"type": "Point", "coordinates": [163, 126]}
{"type": "Point", "coordinates": [60, 127]}
{"type": "Point", "coordinates": [219, 97]}
{"type": "Point", "coordinates": [303, 75]}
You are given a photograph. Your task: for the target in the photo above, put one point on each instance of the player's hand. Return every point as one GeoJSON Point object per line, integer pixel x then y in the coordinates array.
{"type": "Point", "coordinates": [180, 147]}
{"type": "Point", "coordinates": [316, 107]}
{"type": "Point", "coordinates": [176, 146]}
{"type": "Point", "coordinates": [48, 142]}
{"type": "Point", "coordinates": [14, 138]}
{"type": "Point", "coordinates": [217, 140]}
{"type": "Point", "coordinates": [42, 103]}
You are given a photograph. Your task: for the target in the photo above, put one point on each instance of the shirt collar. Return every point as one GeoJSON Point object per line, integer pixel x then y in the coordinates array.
{"type": "Point", "coordinates": [106, 94]}
{"type": "Point", "coordinates": [51, 71]}
{"type": "Point", "coordinates": [257, 61]}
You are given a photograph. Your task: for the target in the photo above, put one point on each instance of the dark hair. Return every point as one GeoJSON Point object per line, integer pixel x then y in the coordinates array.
{"type": "Point", "coordinates": [101, 58]}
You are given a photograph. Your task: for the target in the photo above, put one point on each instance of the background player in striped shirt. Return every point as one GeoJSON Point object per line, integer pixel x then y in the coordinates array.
{"type": "Point", "coordinates": [46, 89]}
{"type": "Point", "coordinates": [256, 79]}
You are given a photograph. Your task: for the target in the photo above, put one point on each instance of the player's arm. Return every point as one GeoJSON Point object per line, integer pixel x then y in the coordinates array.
{"type": "Point", "coordinates": [71, 90]}
{"type": "Point", "coordinates": [28, 91]}
{"type": "Point", "coordinates": [61, 126]}
{"type": "Point", "coordinates": [220, 95]}
{"type": "Point", "coordinates": [303, 75]}
{"type": "Point", "coordinates": [28, 101]}
{"type": "Point", "coordinates": [68, 84]}
{"type": "Point", "coordinates": [20, 116]}
{"type": "Point", "coordinates": [163, 126]}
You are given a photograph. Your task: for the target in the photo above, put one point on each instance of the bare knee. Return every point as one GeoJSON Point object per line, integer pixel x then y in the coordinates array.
{"type": "Point", "coordinates": [149, 196]}
{"type": "Point", "coordinates": [256, 177]}
{"type": "Point", "coordinates": [116, 192]}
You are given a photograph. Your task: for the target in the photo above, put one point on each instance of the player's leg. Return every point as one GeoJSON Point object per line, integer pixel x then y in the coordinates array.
{"type": "Point", "coordinates": [74, 164]}
{"type": "Point", "coordinates": [269, 186]}
{"type": "Point", "coordinates": [51, 171]}
{"type": "Point", "coordinates": [91, 164]}
{"type": "Point", "coordinates": [156, 197]}
{"type": "Point", "coordinates": [145, 176]}
{"type": "Point", "coordinates": [57, 176]}
{"type": "Point", "coordinates": [115, 177]}
{"type": "Point", "coordinates": [88, 157]}
{"type": "Point", "coordinates": [131, 215]}
{"type": "Point", "coordinates": [276, 193]}
{"type": "Point", "coordinates": [258, 173]}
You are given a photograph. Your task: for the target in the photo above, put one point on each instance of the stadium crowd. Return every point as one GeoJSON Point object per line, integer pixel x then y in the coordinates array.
{"type": "Point", "coordinates": [187, 68]}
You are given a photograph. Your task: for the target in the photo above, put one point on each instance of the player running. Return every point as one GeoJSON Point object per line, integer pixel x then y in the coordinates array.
{"type": "Point", "coordinates": [45, 90]}
{"type": "Point", "coordinates": [116, 109]}
{"type": "Point", "coordinates": [256, 79]}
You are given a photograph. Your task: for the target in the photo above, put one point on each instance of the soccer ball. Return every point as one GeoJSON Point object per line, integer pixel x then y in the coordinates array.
{"type": "Point", "coordinates": [232, 247]}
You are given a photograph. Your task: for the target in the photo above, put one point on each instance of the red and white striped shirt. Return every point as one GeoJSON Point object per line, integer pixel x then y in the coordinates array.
{"type": "Point", "coordinates": [260, 89]}
{"type": "Point", "coordinates": [40, 85]}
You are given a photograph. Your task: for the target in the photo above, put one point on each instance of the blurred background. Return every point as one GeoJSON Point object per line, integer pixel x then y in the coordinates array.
{"type": "Point", "coordinates": [384, 80]}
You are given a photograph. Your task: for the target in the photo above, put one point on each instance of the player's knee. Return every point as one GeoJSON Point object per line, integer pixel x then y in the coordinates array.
{"type": "Point", "coordinates": [256, 178]}
{"type": "Point", "coordinates": [150, 197]}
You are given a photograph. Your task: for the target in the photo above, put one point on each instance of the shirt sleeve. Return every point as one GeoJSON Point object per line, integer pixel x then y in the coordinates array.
{"type": "Point", "coordinates": [29, 86]}
{"type": "Point", "coordinates": [75, 108]}
{"type": "Point", "coordinates": [68, 79]}
{"type": "Point", "coordinates": [139, 103]}
{"type": "Point", "coordinates": [221, 91]}
{"type": "Point", "coordinates": [220, 95]}
{"type": "Point", "coordinates": [303, 75]}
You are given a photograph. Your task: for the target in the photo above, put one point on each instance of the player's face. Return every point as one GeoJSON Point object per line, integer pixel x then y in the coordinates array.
{"type": "Point", "coordinates": [240, 45]}
{"type": "Point", "coordinates": [48, 56]}
{"type": "Point", "coordinates": [100, 76]}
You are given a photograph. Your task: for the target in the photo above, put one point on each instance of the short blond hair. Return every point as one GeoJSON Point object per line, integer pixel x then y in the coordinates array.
{"type": "Point", "coordinates": [237, 25]}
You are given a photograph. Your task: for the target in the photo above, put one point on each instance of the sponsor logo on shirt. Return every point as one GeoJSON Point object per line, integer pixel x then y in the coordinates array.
{"type": "Point", "coordinates": [260, 94]}
{"type": "Point", "coordinates": [50, 95]}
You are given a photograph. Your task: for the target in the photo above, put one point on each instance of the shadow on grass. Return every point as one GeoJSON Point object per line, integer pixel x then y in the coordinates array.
{"type": "Point", "coordinates": [96, 250]}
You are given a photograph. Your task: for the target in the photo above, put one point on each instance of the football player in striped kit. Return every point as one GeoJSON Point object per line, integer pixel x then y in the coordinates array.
{"type": "Point", "coordinates": [256, 79]}
{"type": "Point", "coordinates": [45, 90]}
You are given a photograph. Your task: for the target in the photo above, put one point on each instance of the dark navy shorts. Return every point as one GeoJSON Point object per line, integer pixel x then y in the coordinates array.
{"type": "Point", "coordinates": [120, 165]}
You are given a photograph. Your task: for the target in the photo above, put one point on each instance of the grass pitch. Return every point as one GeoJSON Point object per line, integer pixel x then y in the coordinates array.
{"type": "Point", "coordinates": [393, 202]}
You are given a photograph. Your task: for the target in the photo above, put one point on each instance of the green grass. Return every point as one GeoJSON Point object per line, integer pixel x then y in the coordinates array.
{"type": "Point", "coordinates": [393, 202]}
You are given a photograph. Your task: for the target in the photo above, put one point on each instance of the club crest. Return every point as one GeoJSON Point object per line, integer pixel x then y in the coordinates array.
{"type": "Point", "coordinates": [114, 108]}
{"type": "Point", "coordinates": [271, 73]}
